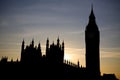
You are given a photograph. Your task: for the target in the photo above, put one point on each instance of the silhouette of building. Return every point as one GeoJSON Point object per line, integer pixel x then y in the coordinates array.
{"type": "Point", "coordinates": [92, 40]}
{"type": "Point", "coordinates": [30, 54]}
{"type": "Point", "coordinates": [55, 53]}
{"type": "Point", "coordinates": [52, 65]}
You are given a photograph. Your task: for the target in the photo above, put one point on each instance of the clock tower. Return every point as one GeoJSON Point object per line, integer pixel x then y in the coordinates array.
{"type": "Point", "coordinates": [92, 42]}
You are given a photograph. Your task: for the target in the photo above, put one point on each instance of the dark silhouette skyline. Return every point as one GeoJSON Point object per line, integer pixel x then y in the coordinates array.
{"type": "Point", "coordinates": [32, 61]}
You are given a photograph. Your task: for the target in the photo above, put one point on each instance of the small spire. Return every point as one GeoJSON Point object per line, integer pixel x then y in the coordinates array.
{"type": "Point", "coordinates": [32, 42]}
{"type": "Point", "coordinates": [63, 44]}
{"type": "Point", "coordinates": [58, 41]}
{"type": "Point", "coordinates": [39, 48]}
{"type": "Point", "coordinates": [92, 16]}
{"type": "Point", "coordinates": [39, 45]}
{"type": "Point", "coordinates": [47, 42]}
{"type": "Point", "coordinates": [47, 46]}
{"type": "Point", "coordinates": [23, 43]}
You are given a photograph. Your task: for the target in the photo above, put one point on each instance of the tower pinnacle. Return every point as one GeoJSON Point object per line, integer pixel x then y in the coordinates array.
{"type": "Point", "coordinates": [58, 41]}
{"type": "Point", "coordinates": [92, 16]}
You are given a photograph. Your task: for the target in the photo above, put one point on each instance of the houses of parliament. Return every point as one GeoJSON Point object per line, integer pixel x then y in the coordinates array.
{"type": "Point", "coordinates": [52, 66]}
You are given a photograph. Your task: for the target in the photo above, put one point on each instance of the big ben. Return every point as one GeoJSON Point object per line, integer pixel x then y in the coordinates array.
{"type": "Point", "coordinates": [92, 42]}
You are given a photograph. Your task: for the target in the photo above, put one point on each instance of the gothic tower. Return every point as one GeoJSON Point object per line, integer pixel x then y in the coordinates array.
{"type": "Point", "coordinates": [92, 40]}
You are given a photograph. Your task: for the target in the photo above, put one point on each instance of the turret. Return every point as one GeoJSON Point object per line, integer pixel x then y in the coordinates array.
{"type": "Point", "coordinates": [22, 49]}
{"type": "Point", "coordinates": [39, 50]}
{"type": "Point", "coordinates": [47, 47]}
{"type": "Point", "coordinates": [58, 42]}
{"type": "Point", "coordinates": [23, 44]}
{"type": "Point", "coordinates": [32, 43]}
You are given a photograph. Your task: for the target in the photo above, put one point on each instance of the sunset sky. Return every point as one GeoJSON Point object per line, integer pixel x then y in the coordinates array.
{"type": "Point", "coordinates": [39, 19]}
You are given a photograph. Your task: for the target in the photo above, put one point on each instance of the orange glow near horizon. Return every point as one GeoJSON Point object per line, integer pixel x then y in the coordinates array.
{"type": "Point", "coordinates": [67, 56]}
{"type": "Point", "coordinates": [109, 61]}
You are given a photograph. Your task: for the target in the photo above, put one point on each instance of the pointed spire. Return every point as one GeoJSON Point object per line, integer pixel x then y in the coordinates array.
{"type": "Point", "coordinates": [22, 50]}
{"type": "Point", "coordinates": [58, 41]}
{"type": "Point", "coordinates": [92, 13]}
{"type": "Point", "coordinates": [58, 38]}
{"type": "Point", "coordinates": [47, 46]}
{"type": "Point", "coordinates": [39, 49]}
{"type": "Point", "coordinates": [39, 46]}
{"type": "Point", "coordinates": [33, 42]}
{"type": "Point", "coordinates": [23, 41]}
{"type": "Point", "coordinates": [63, 45]}
{"type": "Point", "coordinates": [92, 26]}
{"type": "Point", "coordinates": [47, 43]}
{"type": "Point", "coordinates": [63, 42]}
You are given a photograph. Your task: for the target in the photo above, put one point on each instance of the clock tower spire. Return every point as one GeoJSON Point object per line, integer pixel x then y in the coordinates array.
{"type": "Point", "coordinates": [92, 41]}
